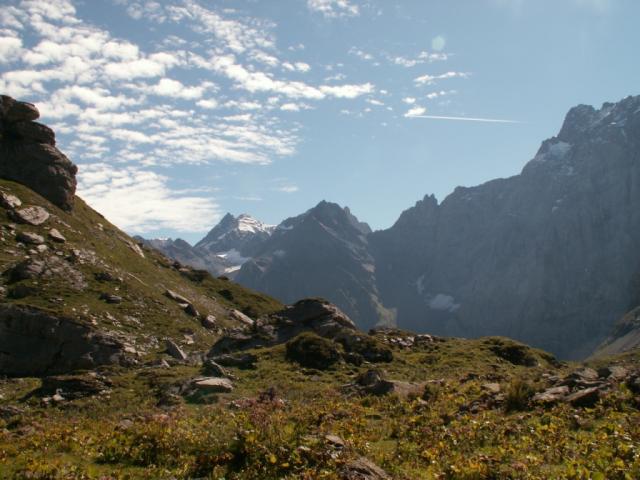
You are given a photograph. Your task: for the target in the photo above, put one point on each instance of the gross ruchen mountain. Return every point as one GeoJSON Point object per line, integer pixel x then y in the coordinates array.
{"type": "Point", "coordinates": [547, 256]}
{"type": "Point", "coordinates": [224, 249]}
{"type": "Point", "coordinates": [323, 252]}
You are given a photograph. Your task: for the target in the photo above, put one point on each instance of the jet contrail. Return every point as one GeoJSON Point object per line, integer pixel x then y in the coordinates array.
{"type": "Point", "coordinates": [465, 119]}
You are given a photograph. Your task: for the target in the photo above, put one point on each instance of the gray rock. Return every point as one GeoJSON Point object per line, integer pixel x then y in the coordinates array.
{"type": "Point", "coordinates": [214, 385]}
{"type": "Point", "coordinates": [9, 201]}
{"type": "Point", "coordinates": [34, 343]}
{"type": "Point", "coordinates": [31, 215]}
{"type": "Point", "coordinates": [241, 317]}
{"type": "Point", "coordinates": [30, 238]}
{"type": "Point", "coordinates": [552, 395]}
{"type": "Point", "coordinates": [175, 351]}
{"type": "Point", "coordinates": [56, 236]}
{"type": "Point", "coordinates": [211, 368]}
{"type": "Point", "coordinates": [176, 297]}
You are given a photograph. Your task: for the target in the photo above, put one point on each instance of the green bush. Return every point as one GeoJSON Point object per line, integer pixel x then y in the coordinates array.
{"type": "Point", "coordinates": [311, 350]}
{"type": "Point", "coordinates": [518, 395]}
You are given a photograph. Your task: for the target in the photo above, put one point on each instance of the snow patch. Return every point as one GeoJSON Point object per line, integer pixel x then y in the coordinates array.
{"type": "Point", "coordinates": [233, 256]}
{"type": "Point", "coordinates": [443, 302]}
{"type": "Point", "coordinates": [279, 253]}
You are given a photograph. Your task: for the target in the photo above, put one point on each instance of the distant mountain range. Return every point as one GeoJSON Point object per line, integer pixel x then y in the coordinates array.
{"type": "Point", "coordinates": [548, 256]}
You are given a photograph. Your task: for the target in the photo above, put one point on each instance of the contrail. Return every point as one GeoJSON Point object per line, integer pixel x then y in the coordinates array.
{"type": "Point", "coordinates": [465, 119]}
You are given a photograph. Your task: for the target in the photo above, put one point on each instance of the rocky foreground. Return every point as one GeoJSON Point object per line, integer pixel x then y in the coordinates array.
{"type": "Point", "coordinates": [116, 362]}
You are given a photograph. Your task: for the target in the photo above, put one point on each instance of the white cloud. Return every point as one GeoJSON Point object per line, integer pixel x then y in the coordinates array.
{"type": "Point", "coordinates": [287, 189]}
{"type": "Point", "coordinates": [209, 104]}
{"type": "Point", "coordinates": [431, 79]}
{"type": "Point", "coordinates": [409, 100]}
{"type": "Point", "coordinates": [140, 201]}
{"type": "Point", "coordinates": [415, 112]}
{"type": "Point", "coordinates": [10, 48]}
{"type": "Point", "coordinates": [334, 8]}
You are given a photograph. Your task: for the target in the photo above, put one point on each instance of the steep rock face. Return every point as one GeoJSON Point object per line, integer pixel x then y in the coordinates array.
{"type": "Point", "coordinates": [546, 256]}
{"type": "Point", "coordinates": [34, 342]}
{"type": "Point", "coordinates": [323, 252]}
{"type": "Point", "coordinates": [28, 154]}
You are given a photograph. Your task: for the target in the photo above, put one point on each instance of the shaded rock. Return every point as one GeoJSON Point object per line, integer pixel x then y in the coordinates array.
{"type": "Point", "coordinates": [367, 346]}
{"type": "Point", "coordinates": [581, 377]}
{"type": "Point", "coordinates": [613, 372]}
{"type": "Point", "coordinates": [31, 215]}
{"type": "Point", "coordinates": [190, 309]}
{"type": "Point", "coordinates": [32, 132]}
{"type": "Point", "coordinates": [238, 360]}
{"type": "Point", "coordinates": [587, 397]}
{"type": "Point", "coordinates": [211, 368]}
{"type": "Point", "coordinates": [633, 384]}
{"type": "Point", "coordinates": [74, 386]}
{"type": "Point", "coordinates": [111, 298]}
{"type": "Point", "coordinates": [362, 469]}
{"type": "Point", "coordinates": [175, 351]}
{"type": "Point", "coordinates": [214, 385]}
{"type": "Point", "coordinates": [56, 236]}
{"type": "Point", "coordinates": [28, 155]}
{"type": "Point", "coordinates": [209, 322]}
{"type": "Point", "coordinates": [34, 342]}
{"type": "Point", "coordinates": [9, 201]}
{"type": "Point", "coordinates": [27, 270]}
{"type": "Point", "coordinates": [30, 238]}
{"type": "Point", "coordinates": [12, 111]}
{"type": "Point", "coordinates": [552, 395]}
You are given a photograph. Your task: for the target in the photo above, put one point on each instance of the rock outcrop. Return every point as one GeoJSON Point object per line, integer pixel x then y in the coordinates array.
{"type": "Point", "coordinates": [28, 154]}
{"type": "Point", "coordinates": [309, 315]}
{"type": "Point", "coordinates": [34, 342]}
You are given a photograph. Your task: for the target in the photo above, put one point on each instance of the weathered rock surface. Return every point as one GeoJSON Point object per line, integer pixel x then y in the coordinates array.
{"type": "Point", "coordinates": [175, 351]}
{"type": "Point", "coordinates": [34, 342]}
{"type": "Point", "coordinates": [30, 238]}
{"type": "Point", "coordinates": [213, 384]}
{"type": "Point", "coordinates": [31, 215]}
{"type": "Point", "coordinates": [28, 154]}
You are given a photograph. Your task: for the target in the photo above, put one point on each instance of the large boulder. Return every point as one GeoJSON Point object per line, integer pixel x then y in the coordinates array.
{"type": "Point", "coordinates": [34, 342]}
{"type": "Point", "coordinates": [28, 154]}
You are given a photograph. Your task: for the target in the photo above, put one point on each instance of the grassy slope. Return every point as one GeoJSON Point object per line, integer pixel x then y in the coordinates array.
{"type": "Point", "coordinates": [143, 280]}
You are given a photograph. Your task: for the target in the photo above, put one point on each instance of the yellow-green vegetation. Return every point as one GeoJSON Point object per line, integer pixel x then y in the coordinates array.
{"type": "Point", "coordinates": [274, 424]}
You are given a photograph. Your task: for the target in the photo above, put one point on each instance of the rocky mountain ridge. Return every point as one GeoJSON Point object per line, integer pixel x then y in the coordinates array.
{"type": "Point", "coordinates": [542, 256]}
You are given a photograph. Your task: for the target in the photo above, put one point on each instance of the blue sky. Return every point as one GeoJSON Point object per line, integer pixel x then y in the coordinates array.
{"type": "Point", "coordinates": [179, 111]}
